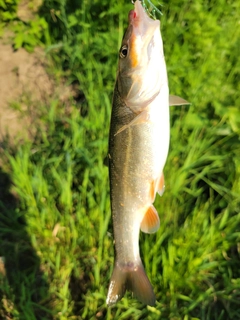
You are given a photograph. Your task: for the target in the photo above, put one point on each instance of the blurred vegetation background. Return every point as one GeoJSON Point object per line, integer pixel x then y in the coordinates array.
{"type": "Point", "coordinates": [56, 244]}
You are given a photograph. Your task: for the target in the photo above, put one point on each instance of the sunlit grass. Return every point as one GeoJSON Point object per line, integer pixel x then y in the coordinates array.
{"type": "Point", "coordinates": [56, 230]}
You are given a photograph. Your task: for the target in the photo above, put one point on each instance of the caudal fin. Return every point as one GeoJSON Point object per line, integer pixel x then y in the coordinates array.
{"type": "Point", "coordinates": [130, 277]}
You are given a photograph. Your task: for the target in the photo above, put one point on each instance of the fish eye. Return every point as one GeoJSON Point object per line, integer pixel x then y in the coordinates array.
{"type": "Point", "coordinates": [123, 51]}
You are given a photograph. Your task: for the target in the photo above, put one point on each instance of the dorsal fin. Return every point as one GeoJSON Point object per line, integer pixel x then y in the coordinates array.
{"type": "Point", "coordinates": [177, 101]}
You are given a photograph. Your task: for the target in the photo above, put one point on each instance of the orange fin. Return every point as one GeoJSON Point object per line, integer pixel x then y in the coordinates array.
{"type": "Point", "coordinates": [152, 191]}
{"type": "Point", "coordinates": [157, 185]}
{"type": "Point", "coordinates": [161, 185]}
{"type": "Point", "coordinates": [130, 276]}
{"type": "Point", "coordinates": [140, 118]}
{"type": "Point", "coordinates": [151, 221]}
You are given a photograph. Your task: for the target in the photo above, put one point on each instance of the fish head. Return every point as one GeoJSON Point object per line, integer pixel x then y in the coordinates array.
{"type": "Point", "coordinates": [141, 66]}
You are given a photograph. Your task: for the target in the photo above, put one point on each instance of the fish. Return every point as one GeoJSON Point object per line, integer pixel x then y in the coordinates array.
{"type": "Point", "coordinates": [138, 147]}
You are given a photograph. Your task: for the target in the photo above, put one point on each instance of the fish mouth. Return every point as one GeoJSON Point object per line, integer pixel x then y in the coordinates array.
{"type": "Point", "coordinates": [140, 19]}
{"type": "Point", "coordinates": [137, 13]}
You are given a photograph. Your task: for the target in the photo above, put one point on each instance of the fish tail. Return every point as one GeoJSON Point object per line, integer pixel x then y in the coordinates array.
{"type": "Point", "coordinates": [132, 277]}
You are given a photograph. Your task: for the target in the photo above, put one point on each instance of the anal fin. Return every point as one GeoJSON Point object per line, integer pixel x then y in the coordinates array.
{"type": "Point", "coordinates": [151, 221]}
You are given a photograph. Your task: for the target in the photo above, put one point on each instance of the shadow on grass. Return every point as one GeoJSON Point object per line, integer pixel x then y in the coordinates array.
{"type": "Point", "coordinates": [23, 289]}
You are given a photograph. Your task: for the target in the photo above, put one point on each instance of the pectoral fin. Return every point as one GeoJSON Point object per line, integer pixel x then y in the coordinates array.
{"type": "Point", "coordinates": [151, 221]}
{"type": "Point", "coordinates": [177, 101]}
{"type": "Point", "coordinates": [140, 118]}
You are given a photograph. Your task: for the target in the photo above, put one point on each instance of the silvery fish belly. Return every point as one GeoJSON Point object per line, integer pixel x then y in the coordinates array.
{"type": "Point", "coordinates": [138, 148]}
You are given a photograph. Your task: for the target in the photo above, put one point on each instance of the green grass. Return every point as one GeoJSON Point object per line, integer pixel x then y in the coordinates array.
{"type": "Point", "coordinates": [55, 226]}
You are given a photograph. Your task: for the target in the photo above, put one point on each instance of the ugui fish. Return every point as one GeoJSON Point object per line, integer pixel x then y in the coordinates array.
{"type": "Point", "coordinates": [138, 148]}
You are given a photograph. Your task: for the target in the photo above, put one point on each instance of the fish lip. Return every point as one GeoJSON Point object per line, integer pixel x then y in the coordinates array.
{"type": "Point", "coordinates": [140, 20]}
{"type": "Point", "coordinates": [138, 13]}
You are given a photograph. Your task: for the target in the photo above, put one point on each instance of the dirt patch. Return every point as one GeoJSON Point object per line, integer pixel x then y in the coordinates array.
{"type": "Point", "coordinates": [26, 11]}
{"type": "Point", "coordinates": [23, 76]}
{"type": "Point", "coordinates": [21, 73]}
